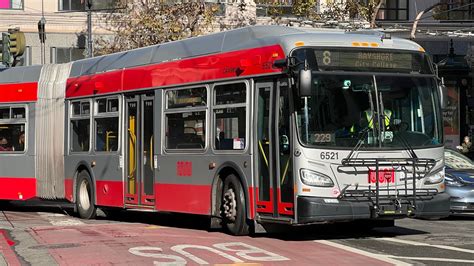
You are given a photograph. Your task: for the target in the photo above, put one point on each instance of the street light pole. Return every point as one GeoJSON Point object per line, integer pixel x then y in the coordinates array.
{"type": "Point", "coordinates": [90, 52]}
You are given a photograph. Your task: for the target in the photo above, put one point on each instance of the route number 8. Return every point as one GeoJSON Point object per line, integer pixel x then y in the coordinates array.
{"type": "Point", "coordinates": [326, 57]}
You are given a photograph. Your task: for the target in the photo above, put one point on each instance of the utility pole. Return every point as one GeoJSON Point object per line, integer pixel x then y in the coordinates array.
{"type": "Point", "coordinates": [42, 34]}
{"type": "Point", "coordinates": [90, 52]}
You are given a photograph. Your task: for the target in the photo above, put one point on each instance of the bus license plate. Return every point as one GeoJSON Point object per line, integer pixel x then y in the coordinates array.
{"type": "Point", "coordinates": [385, 176]}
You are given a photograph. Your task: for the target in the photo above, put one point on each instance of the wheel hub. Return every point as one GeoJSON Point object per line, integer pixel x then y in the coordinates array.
{"type": "Point", "coordinates": [84, 195]}
{"type": "Point", "coordinates": [230, 205]}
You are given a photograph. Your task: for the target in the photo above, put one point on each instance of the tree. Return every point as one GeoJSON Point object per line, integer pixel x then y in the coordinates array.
{"type": "Point", "coordinates": [304, 8]}
{"type": "Point", "coordinates": [143, 23]}
{"type": "Point", "coordinates": [367, 10]}
{"type": "Point", "coordinates": [239, 14]}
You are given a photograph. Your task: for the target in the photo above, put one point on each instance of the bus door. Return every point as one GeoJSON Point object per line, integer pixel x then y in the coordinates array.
{"type": "Point", "coordinates": [139, 170]}
{"type": "Point", "coordinates": [274, 192]}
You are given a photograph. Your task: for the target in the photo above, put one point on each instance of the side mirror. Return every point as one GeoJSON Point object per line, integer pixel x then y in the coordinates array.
{"type": "Point", "coordinates": [305, 82]}
{"type": "Point", "coordinates": [443, 92]}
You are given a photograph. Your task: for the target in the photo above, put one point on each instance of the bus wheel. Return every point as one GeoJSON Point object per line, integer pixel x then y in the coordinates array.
{"type": "Point", "coordinates": [84, 196]}
{"type": "Point", "coordinates": [233, 208]}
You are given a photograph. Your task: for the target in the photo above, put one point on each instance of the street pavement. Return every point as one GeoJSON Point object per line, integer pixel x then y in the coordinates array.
{"type": "Point", "coordinates": [49, 235]}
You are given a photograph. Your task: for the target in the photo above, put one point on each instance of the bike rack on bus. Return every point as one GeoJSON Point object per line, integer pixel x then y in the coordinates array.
{"type": "Point", "coordinates": [386, 203]}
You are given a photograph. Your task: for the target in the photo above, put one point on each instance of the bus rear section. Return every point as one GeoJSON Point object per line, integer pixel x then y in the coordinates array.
{"type": "Point", "coordinates": [18, 96]}
{"type": "Point", "coordinates": [32, 132]}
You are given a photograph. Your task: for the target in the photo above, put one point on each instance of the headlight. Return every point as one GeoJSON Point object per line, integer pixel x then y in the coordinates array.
{"type": "Point", "coordinates": [435, 177]}
{"type": "Point", "coordinates": [312, 178]}
{"type": "Point", "coordinates": [453, 181]}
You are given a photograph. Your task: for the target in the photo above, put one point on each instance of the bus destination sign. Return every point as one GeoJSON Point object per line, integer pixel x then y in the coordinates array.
{"type": "Point", "coordinates": [363, 60]}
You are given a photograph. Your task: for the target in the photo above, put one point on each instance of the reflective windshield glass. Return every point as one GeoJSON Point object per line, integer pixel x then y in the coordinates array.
{"type": "Point", "coordinates": [375, 111]}
{"type": "Point", "coordinates": [455, 160]}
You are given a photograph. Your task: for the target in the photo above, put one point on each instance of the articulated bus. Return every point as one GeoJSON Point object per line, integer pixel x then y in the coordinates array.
{"type": "Point", "coordinates": [257, 125]}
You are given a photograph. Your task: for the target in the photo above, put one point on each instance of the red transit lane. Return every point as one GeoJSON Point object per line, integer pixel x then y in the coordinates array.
{"type": "Point", "coordinates": [149, 244]}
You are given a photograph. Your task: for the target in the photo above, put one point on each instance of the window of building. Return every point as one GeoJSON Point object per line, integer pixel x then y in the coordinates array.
{"type": "Point", "coordinates": [230, 118]}
{"type": "Point", "coordinates": [12, 128]}
{"type": "Point", "coordinates": [186, 118]}
{"type": "Point", "coordinates": [11, 4]}
{"type": "Point", "coordinates": [393, 10]}
{"type": "Point", "coordinates": [80, 126]}
{"type": "Point", "coordinates": [107, 124]}
{"type": "Point", "coordinates": [456, 10]}
{"type": "Point", "coordinates": [268, 8]}
{"type": "Point", "coordinates": [78, 5]}
{"type": "Point", "coordinates": [64, 55]}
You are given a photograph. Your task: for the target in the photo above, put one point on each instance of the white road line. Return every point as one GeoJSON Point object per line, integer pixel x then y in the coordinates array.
{"type": "Point", "coordinates": [381, 257]}
{"type": "Point", "coordinates": [414, 243]}
{"type": "Point", "coordinates": [58, 219]}
{"type": "Point", "coordinates": [434, 259]}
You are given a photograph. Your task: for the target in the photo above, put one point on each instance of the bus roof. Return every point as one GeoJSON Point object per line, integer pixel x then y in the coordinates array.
{"type": "Point", "coordinates": [20, 74]}
{"type": "Point", "coordinates": [232, 40]}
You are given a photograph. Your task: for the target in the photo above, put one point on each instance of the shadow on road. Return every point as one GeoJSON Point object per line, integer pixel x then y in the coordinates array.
{"type": "Point", "coordinates": [460, 217]}
{"type": "Point", "coordinates": [198, 222]}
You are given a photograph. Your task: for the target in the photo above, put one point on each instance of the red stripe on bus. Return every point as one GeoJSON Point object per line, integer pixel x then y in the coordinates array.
{"type": "Point", "coordinates": [285, 208]}
{"type": "Point", "coordinates": [17, 188]}
{"type": "Point", "coordinates": [109, 193]}
{"type": "Point", "coordinates": [251, 202]}
{"type": "Point", "coordinates": [263, 205]}
{"type": "Point", "coordinates": [68, 189]}
{"type": "Point", "coordinates": [211, 67]}
{"type": "Point", "coordinates": [19, 92]}
{"type": "Point", "coordinates": [94, 84]}
{"type": "Point", "coordinates": [195, 199]}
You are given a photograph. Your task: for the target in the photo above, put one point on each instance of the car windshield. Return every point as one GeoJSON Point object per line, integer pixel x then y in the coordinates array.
{"type": "Point", "coordinates": [342, 111]}
{"type": "Point", "coordinates": [456, 160]}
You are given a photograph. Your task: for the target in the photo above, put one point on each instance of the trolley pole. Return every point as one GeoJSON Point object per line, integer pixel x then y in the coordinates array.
{"type": "Point", "coordinates": [90, 52]}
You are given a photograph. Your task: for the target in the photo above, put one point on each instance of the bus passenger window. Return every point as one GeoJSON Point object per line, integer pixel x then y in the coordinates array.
{"type": "Point", "coordinates": [186, 130]}
{"type": "Point", "coordinates": [186, 119]}
{"type": "Point", "coordinates": [230, 116]}
{"type": "Point", "coordinates": [80, 126]}
{"type": "Point", "coordinates": [12, 129]}
{"type": "Point", "coordinates": [106, 134]}
{"type": "Point", "coordinates": [106, 124]}
{"type": "Point", "coordinates": [80, 135]}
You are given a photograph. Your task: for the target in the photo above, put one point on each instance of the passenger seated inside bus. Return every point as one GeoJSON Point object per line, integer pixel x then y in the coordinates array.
{"type": "Point", "coordinates": [4, 146]}
{"type": "Point", "coordinates": [20, 145]}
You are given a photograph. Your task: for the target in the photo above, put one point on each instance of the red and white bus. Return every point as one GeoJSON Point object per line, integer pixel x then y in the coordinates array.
{"type": "Point", "coordinates": [257, 125]}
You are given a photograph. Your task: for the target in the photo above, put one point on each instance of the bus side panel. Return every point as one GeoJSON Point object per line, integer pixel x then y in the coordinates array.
{"type": "Point", "coordinates": [106, 175]}
{"type": "Point", "coordinates": [17, 170]}
{"type": "Point", "coordinates": [17, 188]}
{"type": "Point", "coordinates": [184, 198]}
{"type": "Point", "coordinates": [17, 176]}
{"type": "Point", "coordinates": [184, 182]}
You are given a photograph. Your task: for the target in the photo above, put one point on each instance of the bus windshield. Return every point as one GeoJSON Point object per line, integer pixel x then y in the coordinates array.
{"type": "Point", "coordinates": [372, 110]}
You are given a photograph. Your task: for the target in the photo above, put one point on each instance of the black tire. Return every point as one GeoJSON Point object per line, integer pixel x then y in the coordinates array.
{"type": "Point", "coordinates": [233, 208]}
{"type": "Point", "coordinates": [85, 196]}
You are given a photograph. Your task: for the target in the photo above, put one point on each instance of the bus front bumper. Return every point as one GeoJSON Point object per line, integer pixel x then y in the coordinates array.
{"type": "Point", "coordinates": [317, 210]}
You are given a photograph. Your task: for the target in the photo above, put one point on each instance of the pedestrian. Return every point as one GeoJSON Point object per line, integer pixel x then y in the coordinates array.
{"type": "Point", "coordinates": [465, 146]}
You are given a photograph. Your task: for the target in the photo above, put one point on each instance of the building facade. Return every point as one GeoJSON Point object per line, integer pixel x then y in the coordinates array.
{"type": "Point", "coordinates": [65, 27]}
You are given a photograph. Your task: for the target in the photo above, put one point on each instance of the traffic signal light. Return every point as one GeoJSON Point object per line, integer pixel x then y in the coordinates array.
{"type": "Point", "coordinates": [17, 42]}
{"type": "Point", "coordinates": [7, 60]}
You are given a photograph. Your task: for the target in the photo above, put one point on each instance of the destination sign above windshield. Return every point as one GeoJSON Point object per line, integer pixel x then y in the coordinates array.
{"type": "Point", "coordinates": [386, 61]}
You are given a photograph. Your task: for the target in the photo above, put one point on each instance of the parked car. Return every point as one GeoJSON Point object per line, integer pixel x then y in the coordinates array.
{"type": "Point", "coordinates": [459, 181]}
